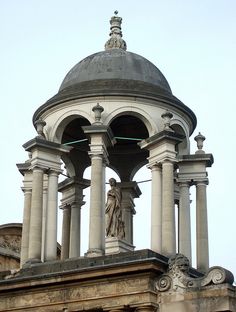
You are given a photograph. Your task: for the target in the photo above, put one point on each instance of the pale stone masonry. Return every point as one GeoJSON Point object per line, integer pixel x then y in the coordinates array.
{"type": "Point", "coordinates": [115, 109]}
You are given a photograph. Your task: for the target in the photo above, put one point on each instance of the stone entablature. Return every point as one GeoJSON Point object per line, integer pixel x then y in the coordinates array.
{"type": "Point", "coordinates": [125, 282]}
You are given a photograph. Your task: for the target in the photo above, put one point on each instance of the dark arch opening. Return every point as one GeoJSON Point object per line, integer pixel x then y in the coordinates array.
{"type": "Point", "coordinates": [126, 154]}
{"type": "Point", "coordinates": [79, 154]}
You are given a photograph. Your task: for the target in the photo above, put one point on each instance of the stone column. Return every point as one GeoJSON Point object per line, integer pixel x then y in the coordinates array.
{"type": "Point", "coordinates": [74, 250]}
{"type": "Point", "coordinates": [27, 189]}
{"type": "Point", "coordinates": [51, 217]}
{"type": "Point", "coordinates": [184, 221]}
{"type": "Point", "coordinates": [129, 190]}
{"type": "Point", "coordinates": [35, 233]}
{"type": "Point", "coordinates": [168, 211]}
{"type": "Point", "coordinates": [97, 206]}
{"type": "Point", "coordinates": [71, 203]}
{"type": "Point", "coordinates": [156, 209]}
{"type": "Point", "coordinates": [44, 217]}
{"type": "Point", "coordinates": [26, 225]}
{"type": "Point", "coordinates": [65, 240]}
{"type": "Point", "coordinates": [202, 227]}
{"type": "Point", "coordinates": [101, 137]}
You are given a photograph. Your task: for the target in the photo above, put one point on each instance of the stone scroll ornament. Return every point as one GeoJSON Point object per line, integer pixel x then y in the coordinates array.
{"type": "Point", "coordinates": [178, 277]}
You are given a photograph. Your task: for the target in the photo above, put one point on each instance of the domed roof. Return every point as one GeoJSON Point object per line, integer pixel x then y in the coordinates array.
{"type": "Point", "coordinates": [113, 72]}
{"type": "Point", "coordinates": [115, 64]}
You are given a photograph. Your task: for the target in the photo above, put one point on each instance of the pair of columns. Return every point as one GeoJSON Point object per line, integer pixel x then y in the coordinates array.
{"type": "Point", "coordinates": [72, 201]}
{"type": "Point", "coordinates": [162, 158]}
{"type": "Point", "coordinates": [39, 235]}
{"type": "Point", "coordinates": [192, 169]}
{"type": "Point", "coordinates": [163, 232]}
{"type": "Point", "coordinates": [163, 237]}
{"type": "Point", "coordinates": [202, 249]}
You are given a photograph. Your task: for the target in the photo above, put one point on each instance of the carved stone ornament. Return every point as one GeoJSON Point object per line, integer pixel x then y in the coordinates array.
{"type": "Point", "coordinates": [115, 41]}
{"type": "Point", "coordinates": [178, 277]}
{"type": "Point", "coordinates": [11, 242]}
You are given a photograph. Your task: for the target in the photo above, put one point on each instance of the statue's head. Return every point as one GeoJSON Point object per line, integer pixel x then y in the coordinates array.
{"type": "Point", "coordinates": [112, 182]}
{"type": "Point", "coordinates": [178, 263]}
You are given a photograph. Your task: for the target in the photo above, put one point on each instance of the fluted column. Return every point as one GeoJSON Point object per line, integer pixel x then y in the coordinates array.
{"type": "Point", "coordinates": [184, 220]}
{"type": "Point", "coordinates": [51, 217]}
{"type": "Point", "coordinates": [65, 240]}
{"type": "Point", "coordinates": [202, 227]}
{"type": "Point", "coordinates": [168, 211]}
{"type": "Point", "coordinates": [35, 233]}
{"type": "Point", "coordinates": [97, 204]}
{"type": "Point", "coordinates": [156, 209]}
{"type": "Point", "coordinates": [26, 225]}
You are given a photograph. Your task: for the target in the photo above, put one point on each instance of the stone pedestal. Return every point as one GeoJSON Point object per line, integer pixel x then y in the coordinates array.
{"type": "Point", "coordinates": [114, 245]}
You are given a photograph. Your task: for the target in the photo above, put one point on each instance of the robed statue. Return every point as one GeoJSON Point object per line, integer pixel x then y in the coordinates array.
{"type": "Point", "coordinates": [114, 223]}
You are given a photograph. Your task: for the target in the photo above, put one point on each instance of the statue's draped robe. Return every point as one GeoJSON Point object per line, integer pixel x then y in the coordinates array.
{"type": "Point", "coordinates": [113, 213]}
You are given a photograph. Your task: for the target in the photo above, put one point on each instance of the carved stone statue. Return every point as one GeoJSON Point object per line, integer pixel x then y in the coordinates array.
{"type": "Point", "coordinates": [114, 223]}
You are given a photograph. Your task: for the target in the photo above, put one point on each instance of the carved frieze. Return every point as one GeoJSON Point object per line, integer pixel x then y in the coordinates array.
{"type": "Point", "coordinates": [11, 242]}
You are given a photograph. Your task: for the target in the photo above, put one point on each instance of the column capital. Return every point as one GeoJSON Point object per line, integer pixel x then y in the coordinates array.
{"type": "Point", "coordinates": [154, 166]}
{"type": "Point", "coordinates": [161, 146]}
{"type": "Point", "coordinates": [131, 187]}
{"type": "Point", "coordinates": [72, 190]}
{"type": "Point", "coordinates": [201, 182]}
{"type": "Point", "coordinates": [183, 182]}
{"type": "Point", "coordinates": [46, 154]}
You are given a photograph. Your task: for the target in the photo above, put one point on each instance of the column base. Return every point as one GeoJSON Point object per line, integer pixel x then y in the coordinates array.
{"type": "Point", "coordinates": [114, 245]}
{"type": "Point", "coordinates": [94, 253]}
{"type": "Point", "coordinates": [30, 262]}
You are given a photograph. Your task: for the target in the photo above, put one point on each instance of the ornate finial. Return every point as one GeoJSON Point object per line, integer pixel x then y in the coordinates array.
{"type": "Point", "coordinates": [166, 116]}
{"type": "Point", "coordinates": [98, 109]}
{"type": "Point", "coordinates": [199, 139]}
{"type": "Point", "coordinates": [40, 124]}
{"type": "Point", "coordinates": [116, 41]}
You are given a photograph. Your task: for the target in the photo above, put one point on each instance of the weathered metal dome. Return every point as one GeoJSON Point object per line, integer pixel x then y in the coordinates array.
{"type": "Point", "coordinates": [115, 64]}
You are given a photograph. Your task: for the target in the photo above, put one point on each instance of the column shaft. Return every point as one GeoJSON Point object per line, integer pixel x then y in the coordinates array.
{"type": "Point", "coordinates": [184, 221]}
{"type": "Point", "coordinates": [26, 226]}
{"type": "Point", "coordinates": [35, 234]}
{"type": "Point", "coordinates": [156, 210]}
{"type": "Point", "coordinates": [168, 212]}
{"type": "Point", "coordinates": [97, 204]}
{"type": "Point", "coordinates": [74, 250]}
{"type": "Point", "coordinates": [65, 240]}
{"type": "Point", "coordinates": [202, 227]}
{"type": "Point", "coordinates": [51, 217]}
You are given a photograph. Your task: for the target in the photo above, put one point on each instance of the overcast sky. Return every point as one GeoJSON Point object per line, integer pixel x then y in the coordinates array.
{"type": "Point", "coordinates": [192, 42]}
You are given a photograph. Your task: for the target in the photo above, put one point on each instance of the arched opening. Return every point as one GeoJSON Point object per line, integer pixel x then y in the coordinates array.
{"type": "Point", "coordinates": [74, 136]}
{"type": "Point", "coordinates": [183, 147]}
{"type": "Point", "coordinates": [126, 154]}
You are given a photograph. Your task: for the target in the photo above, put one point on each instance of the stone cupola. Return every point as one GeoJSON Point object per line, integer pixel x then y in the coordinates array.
{"type": "Point", "coordinates": [113, 109]}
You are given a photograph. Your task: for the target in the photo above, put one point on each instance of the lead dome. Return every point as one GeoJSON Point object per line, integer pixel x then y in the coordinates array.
{"type": "Point", "coordinates": [115, 64]}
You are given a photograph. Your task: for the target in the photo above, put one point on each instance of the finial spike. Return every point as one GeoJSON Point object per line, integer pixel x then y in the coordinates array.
{"type": "Point", "coordinates": [115, 41]}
